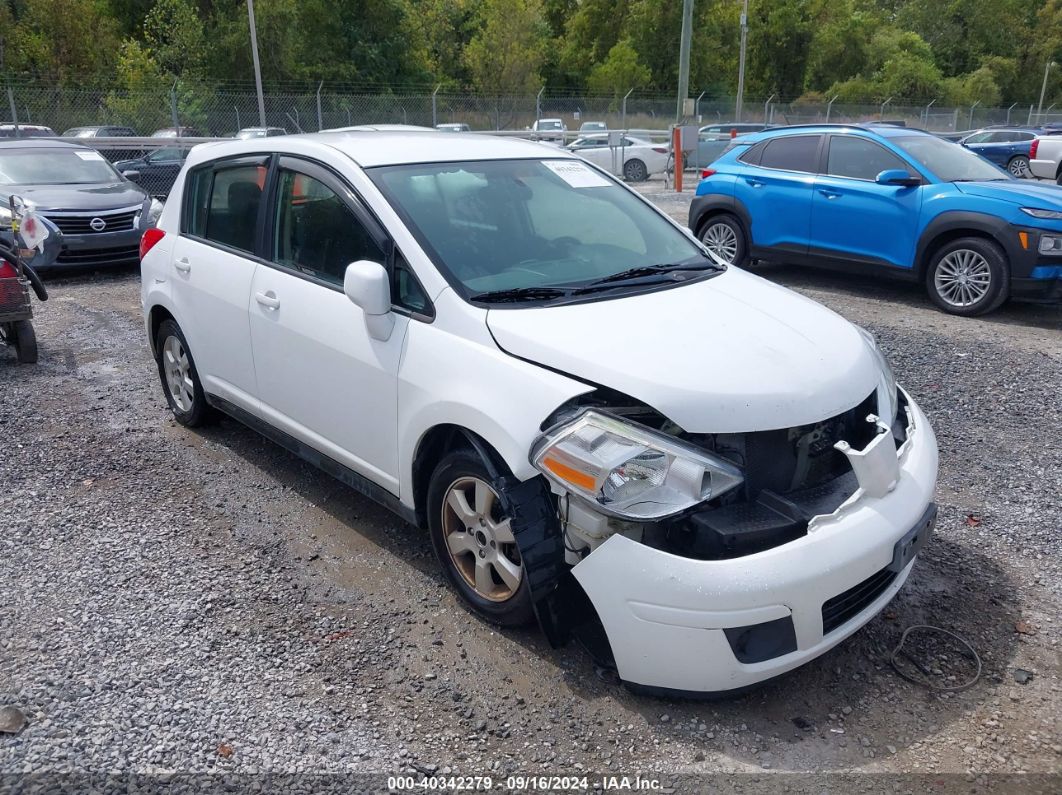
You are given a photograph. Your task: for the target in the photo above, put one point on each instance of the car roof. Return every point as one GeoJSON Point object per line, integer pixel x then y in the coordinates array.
{"type": "Point", "coordinates": [39, 143]}
{"type": "Point", "coordinates": [882, 130]}
{"type": "Point", "coordinates": [370, 148]}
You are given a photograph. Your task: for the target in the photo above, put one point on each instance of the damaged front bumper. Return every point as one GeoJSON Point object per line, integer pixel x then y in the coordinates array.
{"type": "Point", "coordinates": [680, 624]}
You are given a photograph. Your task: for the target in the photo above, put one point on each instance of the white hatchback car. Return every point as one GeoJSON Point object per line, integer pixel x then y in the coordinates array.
{"type": "Point", "coordinates": [594, 419]}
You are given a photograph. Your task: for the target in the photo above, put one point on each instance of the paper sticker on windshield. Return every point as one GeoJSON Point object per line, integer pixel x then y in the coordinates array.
{"type": "Point", "coordinates": [89, 155]}
{"type": "Point", "coordinates": [576, 174]}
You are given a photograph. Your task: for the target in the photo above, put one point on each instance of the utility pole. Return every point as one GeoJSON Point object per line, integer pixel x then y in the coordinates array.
{"type": "Point", "coordinates": [257, 64]}
{"type": "Point", "coordinates": [741, 61]}
{"type": "Point", "coordinates": [1043, 90]}
{"type": "Point", "coordinates": [684, 57]}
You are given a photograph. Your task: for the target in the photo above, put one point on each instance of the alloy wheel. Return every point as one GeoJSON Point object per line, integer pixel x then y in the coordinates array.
{"type": "Point", "coordinates": [1019, 167]}
{"type": "Point", "coordinates": [178, 372]}
{"type": "Point", "coordinates": [721, 240]}
{"type": "Point", "coordinates": [480, 540]}
{"type": "Point", "coordinates": [963, 278]}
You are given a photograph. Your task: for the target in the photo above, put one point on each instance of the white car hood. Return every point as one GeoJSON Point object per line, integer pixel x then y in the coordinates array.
{"type": "Point", "coordinates": [728, 354]}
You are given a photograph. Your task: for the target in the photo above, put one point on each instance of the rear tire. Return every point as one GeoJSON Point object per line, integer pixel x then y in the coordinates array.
{"type": "Point", "coordinates": [635, 171]}
{"type": "Point", "coordinates": [180, 379]}
{"type": "Point", "coordinates": [25, 341]}
{"type": "Point", "coordinates": [724, 236]}
{"type": "Point", "coordinates": [473, 540]}
{"type": "Point", "coordinates": [968, 277]}
{"type": "Point", "coordinates": [1019, 167]}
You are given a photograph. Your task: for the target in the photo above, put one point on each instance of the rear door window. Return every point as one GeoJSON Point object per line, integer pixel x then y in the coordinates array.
{"type": "Point", "coordinates": [223, 204]}
{"type": "Point", "coordinates": [792, 153]}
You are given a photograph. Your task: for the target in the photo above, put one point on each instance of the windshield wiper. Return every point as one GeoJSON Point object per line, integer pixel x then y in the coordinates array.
{"type": "Point", "coordinates": [520, 294]}
{"type": "Point", "coordinates": [653, 270]}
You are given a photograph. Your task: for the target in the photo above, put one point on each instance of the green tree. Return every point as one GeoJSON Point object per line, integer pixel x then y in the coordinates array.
{"type": "Point", "coordinates": [620, 72]}
{"type": "Point", "coordinates": [506, 53]}
{"type": "Point", "coordinates": [780, 36]}
{"type": "Point", "coordinates": [70, 41]}
{"type": "Point", "coordinates": [174, 33]}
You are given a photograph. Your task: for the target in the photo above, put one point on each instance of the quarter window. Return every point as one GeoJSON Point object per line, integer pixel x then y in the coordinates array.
{"type": "Point", "coordinates": [858, 158]}
{"type": "Point", "coordinates": [317, 232]}
{"type": "Point", "coordinates": [792, 153]}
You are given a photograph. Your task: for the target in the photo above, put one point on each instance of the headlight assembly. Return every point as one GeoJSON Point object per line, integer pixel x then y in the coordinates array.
{"type": "Point", "coordinates": [1036, 212]}
{"type": "Point", "coordinates": [627, 470]}
{"type": "Point", "coordinates": [887, 403]}
{"type": "Point", "coordinates": [155, 211]}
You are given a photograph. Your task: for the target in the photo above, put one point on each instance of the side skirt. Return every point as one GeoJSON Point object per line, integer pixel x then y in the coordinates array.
{"type": "Point", "coordinates": [340, 472]}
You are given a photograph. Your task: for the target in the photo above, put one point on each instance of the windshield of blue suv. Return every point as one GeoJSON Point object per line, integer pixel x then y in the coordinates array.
{"type": "Point", "coordinates": [524, 224]}
{"type": "Point", "coordinates": [947, 160]}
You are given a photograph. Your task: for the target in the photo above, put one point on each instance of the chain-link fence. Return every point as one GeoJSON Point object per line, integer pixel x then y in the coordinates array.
{"type": "Point", "coordinates": [148, 133]}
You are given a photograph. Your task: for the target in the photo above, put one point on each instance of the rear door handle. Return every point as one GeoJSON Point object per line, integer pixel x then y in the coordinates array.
{"type": "Point", "coordinates": [829, 194]}
{"type": "Point", "coordinates": [268, 300]}
{"type": "Point", "coordinates": [183, 265]}
{"type": "Point", "coordinates": [754, 182]}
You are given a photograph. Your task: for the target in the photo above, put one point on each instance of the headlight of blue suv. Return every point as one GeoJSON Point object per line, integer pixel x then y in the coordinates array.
{"type": "Point", "coordinates": [627, 470]}
{"type": "Point", "coordinates": [1048, 215]}
{"type": "Point", "coordinates": [887, 403]}
{"type": "Point", "coordinates": [155, 211]}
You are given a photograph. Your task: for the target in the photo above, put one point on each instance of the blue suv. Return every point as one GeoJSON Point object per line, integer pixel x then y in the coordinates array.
{"type": "Point", "coordinates": [889, 200]}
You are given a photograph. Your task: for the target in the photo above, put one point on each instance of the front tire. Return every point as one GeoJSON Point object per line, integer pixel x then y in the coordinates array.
{"type": "Point", "coordinates": [474, 542]}
{"type": "Point", "coordinates": [180, 379]}
{"type": "Point", "coordinates": [724, 237]}
{"type": "Point", "coordinates": [968, 277]}
{"type": "Point", "coordinates": [635, 171]}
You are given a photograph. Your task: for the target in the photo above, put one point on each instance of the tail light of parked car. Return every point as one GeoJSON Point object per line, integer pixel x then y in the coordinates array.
{"type": "Point", "coordinates": [707, 172]}
{"type": "Point", "coordinates": [1033, 147]}
{"type": "Point", "coordinates": [150, 238]}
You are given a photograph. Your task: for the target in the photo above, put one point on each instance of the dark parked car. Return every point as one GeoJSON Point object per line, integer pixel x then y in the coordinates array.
{"type": "Point", "coordinates": [100, 213]}
{"type": "Point", "coordinates": [713, 139]}
{"type": "Point", "coordinates": [1005, 146]}
{"type": "Point", "coordinates": [155, 171]}
{"type": "Point", "coordinates": [100, 132]}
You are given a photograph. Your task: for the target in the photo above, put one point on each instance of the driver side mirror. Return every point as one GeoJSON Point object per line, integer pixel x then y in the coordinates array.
{"type": "Point", "coordinates": [898, 177]}
{"type": "Point", "coordinates": [368, 286]}
{"type": "Point", "coordinates": [131, 174]}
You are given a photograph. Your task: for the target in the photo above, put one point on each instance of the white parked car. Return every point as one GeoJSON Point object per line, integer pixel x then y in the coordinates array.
{"type": "Point", "coordinates": [551, 130]}
{"type": "Point", "coordinates": [1045, 157]}
{"type": "Point", "coordinates": [453, 127]}
{"type": "Point", "coordinates": [636, 158]}
{"type": "Point", "coordinates": [511, 348]}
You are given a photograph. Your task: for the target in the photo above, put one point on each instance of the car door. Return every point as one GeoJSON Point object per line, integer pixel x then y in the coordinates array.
{"type": "Point", "coordinates": [321, 378]}
{"type": "Point", "coordinates": [852, 216]}
{"type": "Point", "coordinates": [775, 187]}
{"type": "Point", "coordinates": [212, 266]}
{"type": "Point", "coordinates": [596, 150]}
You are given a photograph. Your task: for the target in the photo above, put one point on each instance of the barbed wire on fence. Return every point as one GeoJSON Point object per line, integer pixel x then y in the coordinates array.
{"type": "Point", "coordinates": [224, 108]}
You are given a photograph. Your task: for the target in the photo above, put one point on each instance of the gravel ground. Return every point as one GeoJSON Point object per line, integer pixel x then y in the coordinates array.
{"type": "Point", "coordinates": [205, 602]}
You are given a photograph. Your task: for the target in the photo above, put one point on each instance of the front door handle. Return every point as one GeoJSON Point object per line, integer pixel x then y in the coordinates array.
{"type": "Point", "coordinates": [829, 194]}
{"type": "Point", "coordinates": [183, 265]}
{"type": "Point", "coordinates": [268, 300]}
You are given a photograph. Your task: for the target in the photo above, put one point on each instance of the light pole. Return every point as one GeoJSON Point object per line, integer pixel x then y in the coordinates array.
{"type": "Point", "coordinates": [1043, 90]}
{"type": "Point", "coordinates": [741, 59]}
{"type": "Point", "coordinates": [684, 58]}
{"type": "Point", "coordinates": [257, 64]}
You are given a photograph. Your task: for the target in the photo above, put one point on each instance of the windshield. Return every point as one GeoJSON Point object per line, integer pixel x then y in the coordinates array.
{"type": "Point", "coordinates": [517, 224]}
{"type": "Point", "coordinates": [549, 125]}
{"type": "Point", "coordinates": [949, 161]}
{"type": "Point", "coordinates": [55, 167]}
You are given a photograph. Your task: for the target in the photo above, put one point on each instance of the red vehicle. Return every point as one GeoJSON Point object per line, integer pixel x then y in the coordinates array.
{"type": "Point", "coordinates": [31, 240]}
